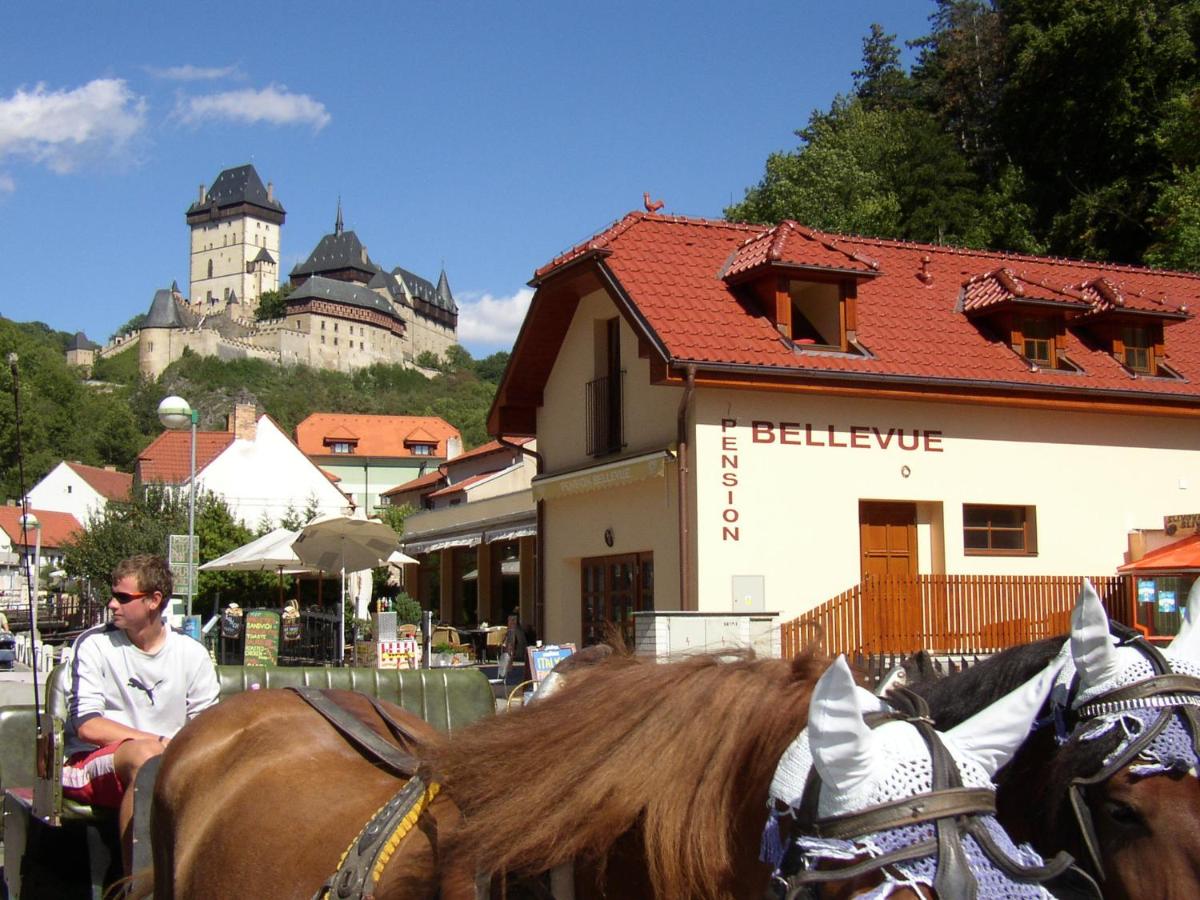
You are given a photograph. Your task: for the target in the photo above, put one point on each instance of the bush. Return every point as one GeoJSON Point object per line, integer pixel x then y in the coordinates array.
{"type": "Point", "coordinates": [408, 611]}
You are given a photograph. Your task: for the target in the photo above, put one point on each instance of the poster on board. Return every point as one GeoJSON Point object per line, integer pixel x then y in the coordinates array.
{"type": "Point", "coordinates": [262, 638]}
{"type": "Point", "coordinates": [543, 659]}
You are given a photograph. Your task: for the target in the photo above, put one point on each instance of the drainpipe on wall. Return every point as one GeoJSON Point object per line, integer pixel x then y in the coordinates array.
{"type": "Point", "coordinates": [681, 438]}
{"type": "Point", "coordinates": [539, 577]}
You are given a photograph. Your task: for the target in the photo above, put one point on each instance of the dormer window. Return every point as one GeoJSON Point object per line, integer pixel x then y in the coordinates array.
{"type": "Point", "coordinates": [817, 317]}
{"type": "Point", "coordinates": [342, 447]}
{"type": "Point", "coordinates": [1037, 341]}
{"type": "Point", "coordinates": [1138, 349]}
{"type": "Point", "coordinates": [421, 449]}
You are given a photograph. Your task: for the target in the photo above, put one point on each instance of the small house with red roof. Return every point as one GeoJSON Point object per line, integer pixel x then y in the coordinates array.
{"type": "Point", "coordinates": [473, 534]}
{"type": "Point", "coordinates": [80, 490]}
{"type": "Point", "coordinates": [740, 417]}
{"type": "Point", "coordinates": [371, 454]}
{"type": "Point", "coordinates": [18, 545]}
{"type": "Point", "coordinates": [253, 465]}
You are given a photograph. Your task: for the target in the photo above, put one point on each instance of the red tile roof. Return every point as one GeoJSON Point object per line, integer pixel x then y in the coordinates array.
{"type": "Point", "coordinates": [485, 449]}
{"type": "Point", "coordinates": [426, 480]}
{"type": "Point", "coordinates": [1003, 285]}
{"type": "Point", "coordinates": [459, 486]}
{"type": "Point", "coordinates": [912, 327]}
{"type": "Point", "coordinates": [379, 436]}
{"type": "Point", "coordinates": [168, 458]}
{"type": "Point", "coordinates": [791, 244]}
{"type": "Point", "coordinates": [109, 484]}
{"type": "Point", "coordinates": [1182, 555]}
{"type": "Point", "coordinates": [56, 526]}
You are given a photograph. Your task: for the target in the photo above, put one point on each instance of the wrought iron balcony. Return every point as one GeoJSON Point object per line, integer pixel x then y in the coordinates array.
{"type": "Point", "coordinates": [604, 409]}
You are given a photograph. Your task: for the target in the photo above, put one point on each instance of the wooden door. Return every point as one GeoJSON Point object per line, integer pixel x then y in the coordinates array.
{"type": "Point", "coordinates": [891, 611]}
{"type": "Point", "coordinates": [613, 588]}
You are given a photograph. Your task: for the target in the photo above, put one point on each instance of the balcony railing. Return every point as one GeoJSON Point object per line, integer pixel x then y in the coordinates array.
{"type": "Point", "coordinates": [605, 426]}
{"type": "Point", "coordinates": [948, 613]}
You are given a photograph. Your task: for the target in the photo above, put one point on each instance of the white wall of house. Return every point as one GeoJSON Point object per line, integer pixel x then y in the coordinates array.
{"type": "Point", "coordinates": [790, 511]}
{"type": "Point", "coordinates": [64, 490]}
{"type": "Point", "coordinates": [267, 475]}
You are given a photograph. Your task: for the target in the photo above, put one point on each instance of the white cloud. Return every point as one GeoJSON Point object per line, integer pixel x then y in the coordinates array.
{"type": "Point", "coordinates": [194, 73]}
{"type": "Point", "coordinates": [63, 128]}
{"type": "Point", "coordinates": [487, 321]}
{"type": "Point", "coordinates": [7, 185]}
{"type": "Point", "coordinates": [274, 105]}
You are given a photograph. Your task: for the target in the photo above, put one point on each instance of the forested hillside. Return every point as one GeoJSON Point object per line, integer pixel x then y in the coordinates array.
{"type": "Point", "coordinates": [109, 420]}
{"type": "Point", "coordinates": [1066, 128]}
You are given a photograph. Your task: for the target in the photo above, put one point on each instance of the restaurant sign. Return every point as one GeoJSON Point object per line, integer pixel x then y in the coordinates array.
{"type": "Point", "coordinates": [1185, 523]}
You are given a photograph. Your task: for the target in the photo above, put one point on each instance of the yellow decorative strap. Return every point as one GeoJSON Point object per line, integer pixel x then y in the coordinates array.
{"type": "Point", "coordinates": [401, 831]}
{"type": "Point", "coordinates": [387, 849]}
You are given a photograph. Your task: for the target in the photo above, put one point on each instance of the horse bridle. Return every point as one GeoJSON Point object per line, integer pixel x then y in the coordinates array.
{"type": "Point", "coordinates": [953, 809]}
{"type": "Point", "coordinates": [362, 864]}
{"type": "Point", "coordinates": [1165, 691]}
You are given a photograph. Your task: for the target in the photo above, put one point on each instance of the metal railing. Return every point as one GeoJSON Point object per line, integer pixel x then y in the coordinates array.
{"type": "Point", "coordinates": [605, 420]}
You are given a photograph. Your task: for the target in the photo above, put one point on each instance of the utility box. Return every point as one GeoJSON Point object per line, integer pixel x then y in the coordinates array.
{"type": "Point", "coordinates": [385, 626]}
{"type": "Point", "coordinates": [670, 634]}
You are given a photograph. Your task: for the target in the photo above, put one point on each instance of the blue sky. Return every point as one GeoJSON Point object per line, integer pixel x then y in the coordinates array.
{"type": "Point", "coordinates": [485, 137]}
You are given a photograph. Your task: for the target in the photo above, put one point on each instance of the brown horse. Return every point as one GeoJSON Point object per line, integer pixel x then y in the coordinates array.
{"type": "Point", "coordinates": [654, 774]}
{"type": "Point", "coordinates": [260, 796]}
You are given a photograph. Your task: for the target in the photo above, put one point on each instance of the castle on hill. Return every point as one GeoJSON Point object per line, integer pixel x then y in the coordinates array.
{"type": "Point", "coordinates": [344, 311]}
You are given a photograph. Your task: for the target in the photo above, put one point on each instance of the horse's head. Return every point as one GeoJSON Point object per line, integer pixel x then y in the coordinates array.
{"type": "Point", "coordinates": [1130, 726]}
{"type": "Point", "coordinates": [899, 805]}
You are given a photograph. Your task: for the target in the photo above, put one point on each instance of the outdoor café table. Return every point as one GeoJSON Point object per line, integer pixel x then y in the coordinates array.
{"type": "Point", "coordinates": [478, 639]}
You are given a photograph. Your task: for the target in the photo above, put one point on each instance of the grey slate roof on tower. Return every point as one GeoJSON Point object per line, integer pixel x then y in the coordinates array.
{"type": "Point", "coordinates": [264, 255]}
{"type": "Point", "coordinates": [81, 342]}
{"type": "Point", "coordinates": [391, 284]}
{"type": "Point", "coordinates": [237, 185]}
{"type": "Point", "coordinates": [445, 298]}
{"type": "Point", "coordinates": [163, 311]}
{"type": "Point", "coordinates": [335, 291]}
{"type": "Point", "coordinates": [340, 250]}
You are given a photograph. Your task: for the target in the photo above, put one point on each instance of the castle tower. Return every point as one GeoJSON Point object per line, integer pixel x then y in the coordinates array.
{"type": "Point", "coordinates": [159, 344]}
{"type": "Point", "coordinates": [235, 231]}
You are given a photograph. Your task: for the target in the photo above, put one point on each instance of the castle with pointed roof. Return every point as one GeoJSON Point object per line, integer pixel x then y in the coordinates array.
{"type": "Point", "coordinates": [344, 311]}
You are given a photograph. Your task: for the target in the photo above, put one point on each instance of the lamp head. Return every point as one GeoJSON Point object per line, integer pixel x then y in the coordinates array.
{"type": "Point", "coordinates": [175, 413]}
{"type": "Point", "coordinates": [30, 522]}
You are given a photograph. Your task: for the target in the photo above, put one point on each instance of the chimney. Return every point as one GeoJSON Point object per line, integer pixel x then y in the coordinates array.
{"type": "Point", "coordinates": [202, 195]}
{"type": "Point", "coordinates": [244, 421]}
{"type": "Point", "coordinates": [270, 192]}
{"type": "Point", "coordinates": [453, 447]}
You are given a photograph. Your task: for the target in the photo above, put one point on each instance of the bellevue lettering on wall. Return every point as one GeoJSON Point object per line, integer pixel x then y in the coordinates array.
{"type": "Point", "coordinates": [815, 437]}
{"type": "Point", "coordinates": [262, 638]}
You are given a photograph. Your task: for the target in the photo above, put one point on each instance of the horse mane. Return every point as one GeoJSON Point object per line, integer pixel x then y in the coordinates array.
{"type": "Point", "coordinates": [954, 699]}
{"type": "Point", "coordinates": [684, 752]}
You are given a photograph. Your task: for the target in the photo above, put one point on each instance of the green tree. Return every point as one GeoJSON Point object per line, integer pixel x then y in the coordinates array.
{"type": "Point", "coordinates": [491, 368]}
{"type": "Point", "coordinates": [1177, 215]}
{"type": "Point", "coordinates": [1087, 89]}
{"type": "Point", "coordinates": [273, 304]}
{"type": "Point", "coordinates": [134, 324]}
{"type": "Point", "coordinates": [881, 83]}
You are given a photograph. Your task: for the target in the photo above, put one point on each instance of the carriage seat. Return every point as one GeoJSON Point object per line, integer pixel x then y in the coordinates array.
{"type": "Point", "coordinates": [448, 699]}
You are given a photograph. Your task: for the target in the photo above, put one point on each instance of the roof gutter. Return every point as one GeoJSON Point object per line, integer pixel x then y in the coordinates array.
{"type": "Point", "coordinates": [875, 378]}
{"type": "Point", "coordinates": [539, 576]}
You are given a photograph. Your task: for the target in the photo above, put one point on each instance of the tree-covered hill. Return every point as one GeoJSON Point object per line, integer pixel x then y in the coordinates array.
{"type": "Point", "coordinates": [110, 419]}
{"type": "Point", "coordinates": [1067, 128]}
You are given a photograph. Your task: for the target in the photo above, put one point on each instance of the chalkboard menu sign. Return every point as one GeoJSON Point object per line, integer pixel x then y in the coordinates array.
{"type": "Point", "coordinates": [262, 638]}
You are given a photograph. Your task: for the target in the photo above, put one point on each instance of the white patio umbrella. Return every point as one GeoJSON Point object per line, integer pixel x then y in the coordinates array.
{"type": "Point", "coordinates": [401, 559]}
{"type": "Point", "coordinates": [333, 543]}
{"type": "Point", "coordinates": [270, 553]}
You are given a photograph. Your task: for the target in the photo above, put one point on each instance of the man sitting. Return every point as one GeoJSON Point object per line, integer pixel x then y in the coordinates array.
{"type": "Point", "coordinates": [134, 684]}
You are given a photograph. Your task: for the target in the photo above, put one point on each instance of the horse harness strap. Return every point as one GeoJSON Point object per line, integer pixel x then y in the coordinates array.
{"type": "Point", "coordinates": [390, 756]}
{"type": "Point", "coordinates": [363, 862]}
{"type": "Point", "coordinates": [909, 811]}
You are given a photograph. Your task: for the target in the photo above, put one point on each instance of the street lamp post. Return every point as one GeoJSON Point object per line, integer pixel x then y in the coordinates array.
{"type": "Point", "coordinates": [30, 522]}
{"type": "Point", "coordinates": [176, 413]}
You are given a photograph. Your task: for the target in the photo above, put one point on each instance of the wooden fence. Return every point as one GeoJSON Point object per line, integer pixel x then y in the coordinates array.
{"type": "Point", "coordinates": [948, 613]}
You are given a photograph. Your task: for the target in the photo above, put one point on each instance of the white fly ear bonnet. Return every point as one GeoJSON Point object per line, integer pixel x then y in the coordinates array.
{"type": "Point", "coordinates": [862, 767]}
{"type": "Point", "coordinates": [1105, 662]}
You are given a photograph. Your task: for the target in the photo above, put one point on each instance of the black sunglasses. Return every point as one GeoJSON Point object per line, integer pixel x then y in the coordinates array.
{"type": "Point", "coordinates": [123, 598]}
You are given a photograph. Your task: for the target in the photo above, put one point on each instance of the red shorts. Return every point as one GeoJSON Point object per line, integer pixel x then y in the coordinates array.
{"type": "Point", "coordinates": [90, 776]}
